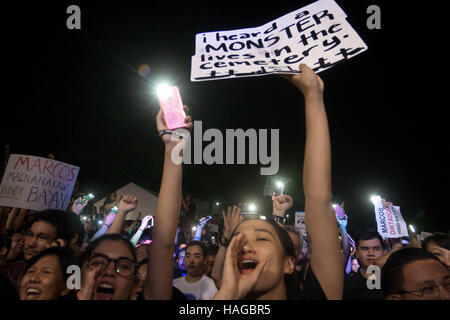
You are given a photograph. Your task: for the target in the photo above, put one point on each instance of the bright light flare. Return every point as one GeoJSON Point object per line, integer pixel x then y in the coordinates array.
{"type": "Point", "coordinates": [263, 217]}
{"type": "Point", "coordinates": [163, 91]}
{"type": "Point", "coordinates": [375, 199]}
{"type": "Point", "coordinates": [252, 207]}
{"type": "Point", "coordinates": [411, 227]}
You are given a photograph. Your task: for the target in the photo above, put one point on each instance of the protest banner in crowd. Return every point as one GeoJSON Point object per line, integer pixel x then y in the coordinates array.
{"type": "Point", "coordinates": [37, 183]}
{"type": "Point", "coordinates": [390, 223]}
{"type": "Point", "coordinates": [317, 35]}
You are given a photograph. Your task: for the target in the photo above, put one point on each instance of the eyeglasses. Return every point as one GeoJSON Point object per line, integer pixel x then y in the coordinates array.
{"type": "Point", "coordinates": [430, 291]}
{"type": "Point", "coordinates": [124, 267]}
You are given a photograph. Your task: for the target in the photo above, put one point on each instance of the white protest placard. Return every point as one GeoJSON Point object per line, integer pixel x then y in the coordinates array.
{"type": "Point", "coordinates": [300, 222]}
{"type": "Point", "coordinates": [37, 183]}
{"type": "Point", "coordinates": [317, 35]}
{"type": "Point", "coordinates": [390, 223]}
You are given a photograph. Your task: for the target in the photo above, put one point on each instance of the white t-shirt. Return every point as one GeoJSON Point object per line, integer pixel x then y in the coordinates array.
{"type": "Point", "coordinates": [203, 289]}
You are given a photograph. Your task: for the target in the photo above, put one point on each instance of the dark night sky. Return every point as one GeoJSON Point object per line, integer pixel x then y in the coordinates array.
{"type": "Point", "coordinates": [77, 94]}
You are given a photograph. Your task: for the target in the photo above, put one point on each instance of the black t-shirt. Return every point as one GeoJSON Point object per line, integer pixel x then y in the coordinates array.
{"type": "Point", "coordinates": [355, 288]}
{"type": "Point", "coordinates": [311, 289]}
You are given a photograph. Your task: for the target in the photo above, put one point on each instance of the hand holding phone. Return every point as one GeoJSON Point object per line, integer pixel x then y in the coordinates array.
{"type": "Point", "coordinates": [172, 107]}
{"type": "Point", "coordinates": [87, 198]}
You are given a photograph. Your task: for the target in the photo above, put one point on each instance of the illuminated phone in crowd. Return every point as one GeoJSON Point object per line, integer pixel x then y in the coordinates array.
{"type": "Point", "coordinates": [87, 198]}
{"type": "Point", "coordinates": [114, 209]}
{"type": "Point", "coordinates": [172, 107]}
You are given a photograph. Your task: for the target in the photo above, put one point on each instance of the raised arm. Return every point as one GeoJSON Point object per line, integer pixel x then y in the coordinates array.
{"type": "Point", "coordinates": [135, 239]}
{"type": "Point", "coordinates": [326, 257]}
{"type": "Point", "coordinates": [342, 220]}
{"type": "Point", "coordinates": [105, 226]}
{"type": "Point", "coordinates": [200, 226]}
{"type": "Point", "coordinates": [160, 267]}
{"type": "Point", "coordinates": [127, 203]}
{"type": "Point", "coordinates": [280, 204]}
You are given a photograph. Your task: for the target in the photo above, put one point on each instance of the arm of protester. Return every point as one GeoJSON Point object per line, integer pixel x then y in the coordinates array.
{"type": "Point", "coordinates": [230, 220]}
{"type": "Point", "coordinates": [78, 206]}
{"type": "Point", "coordinates": [343, 221]}
{"type": "Point", "coordinates": [281, 204]}
{"type": "Point", "coordinates": [160, 267]}
{"type": "Point", "coordinates": [135, 221]}
{"type": "Point", "coordinates": [414, 240]}
{"type": "Point", "coordinates": [235, 285]}
{"type": "Point", "coordinates": [141, 229]}
{"type": "Point", "coordinates": [127, 204]}
{"type": "Point", "coordinates": [396, 245]}
{"type": "Point", "coordinates": [201, 224]}
{"type": "Point", "coordinates": [326, 257]}
{"type": "Point", "coordinates": [105, 226]}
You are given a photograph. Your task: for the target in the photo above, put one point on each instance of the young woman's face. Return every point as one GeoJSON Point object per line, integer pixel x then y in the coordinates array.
{"type": "Point", "coordinates": [110, 284]}
{"type": "Point", "coordinates": [262, 243]}
{"type": "Point", "coordinates": [44, 280]}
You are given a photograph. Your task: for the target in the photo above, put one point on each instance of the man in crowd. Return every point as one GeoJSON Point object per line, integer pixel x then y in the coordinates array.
{"type": "Point", "coordinates": [195, 285]}
{"type": "Point", "coordinates": [48, 228]}
{"type": "Point", "coordinates": [369, 247]}
{"type": "Point", "coordinates": [415, 274]}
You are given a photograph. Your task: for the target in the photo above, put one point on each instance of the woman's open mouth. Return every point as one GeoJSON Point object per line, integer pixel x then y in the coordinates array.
{"type": "Point", "coordinates": [247, 265]}
{"type": "Point", "coordinates": [105, 291]}
{"type": "Point", "coordinates": [33, 293]}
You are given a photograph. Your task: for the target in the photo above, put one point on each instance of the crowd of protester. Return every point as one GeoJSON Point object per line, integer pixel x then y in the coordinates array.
{"type": "Point", "coordinates": [246, 258]}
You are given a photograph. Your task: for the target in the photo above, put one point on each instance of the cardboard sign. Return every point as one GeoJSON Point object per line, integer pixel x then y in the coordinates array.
{"type": "Point", "coordinates": [317, 35]}
{"type": "Point", "coordinates": [37, 183]}
{"type": "Point", "coordinates": [390, 223]}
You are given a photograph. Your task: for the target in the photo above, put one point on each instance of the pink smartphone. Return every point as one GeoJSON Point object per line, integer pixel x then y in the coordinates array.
{"type": "Point", "coordinates": [172, 107]}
